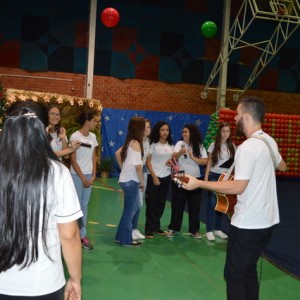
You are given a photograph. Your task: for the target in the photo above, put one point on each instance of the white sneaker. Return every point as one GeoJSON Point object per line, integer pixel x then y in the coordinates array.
{"type": "Point", "coordinates": [210, 236]}
{"type": "Point", "coordinates": [170, 233]}
{"type": "Point", "coordinates": [220, 234]}
{"type": "Point", "coordinates": [136, 235]}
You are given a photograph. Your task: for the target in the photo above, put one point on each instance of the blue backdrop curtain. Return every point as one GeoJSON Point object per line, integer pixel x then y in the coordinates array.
{"type": "Point", "coordinates": [115, 122]}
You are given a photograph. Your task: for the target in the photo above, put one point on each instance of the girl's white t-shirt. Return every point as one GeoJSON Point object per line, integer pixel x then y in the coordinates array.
{"type": "Point", "coordinates": [161, 153]}
{"type": "Point", "coordinates": [132, 160]}
{"type": "Point", "coordinates": [146, 146]}
{"type": "Point", "coordinates": [223, 157]}
{"type": "Point", "coordinates": [84, 155]}
{"type": "Point", "coordinates": [56, 143]}
{"type": "Point", "coordinates": [46, 276]}
{"type": "Point", "coordinates": [187, 164]}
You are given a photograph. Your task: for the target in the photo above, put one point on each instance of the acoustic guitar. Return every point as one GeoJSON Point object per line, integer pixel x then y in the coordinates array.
{"type": "Point", "coordinates": [226, 203]}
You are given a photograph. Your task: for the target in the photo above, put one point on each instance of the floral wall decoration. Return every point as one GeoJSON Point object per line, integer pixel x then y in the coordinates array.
{"type": "Point", "coordinates": [70, 107]}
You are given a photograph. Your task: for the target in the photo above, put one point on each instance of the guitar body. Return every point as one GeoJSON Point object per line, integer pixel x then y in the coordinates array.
{"type": "Point", "coordinates": [225, 203]}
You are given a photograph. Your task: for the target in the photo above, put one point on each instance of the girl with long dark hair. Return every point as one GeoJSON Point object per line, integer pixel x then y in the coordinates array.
{"type": "Point", "coordinates": [131, 180]}
{"type": "Point", "coordinates": [57, 134]}
{"type": "Point", "coordinates": [159, 178]}
{"type": "Point", "coordinates": [219, 152]}
{"type": "Point", "coordinates": [136, 234]}
{"type": "Point", "coordinates": [39, 211]}
{"type": "Point", "coordinates": [190, 154]}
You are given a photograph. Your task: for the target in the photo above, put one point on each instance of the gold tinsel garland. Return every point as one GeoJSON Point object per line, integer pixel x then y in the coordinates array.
{"type": "Point", "coordinates": [13, 95]}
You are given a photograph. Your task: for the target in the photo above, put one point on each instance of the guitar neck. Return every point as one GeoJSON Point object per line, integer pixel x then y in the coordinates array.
{"type": "Point", "coordinates": [228, 174]}
{"type": "Point", "coordinates": [180, 179]}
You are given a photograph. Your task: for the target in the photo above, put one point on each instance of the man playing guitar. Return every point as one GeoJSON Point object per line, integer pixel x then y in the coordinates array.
{"type": "Point", "coordinates": [256, 211]}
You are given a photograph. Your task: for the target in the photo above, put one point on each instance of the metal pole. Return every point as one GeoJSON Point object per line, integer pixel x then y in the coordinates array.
{"type": "Point", "coordinates": [91, 50]}
{"type": "Point", "coordinates": [221, 92]}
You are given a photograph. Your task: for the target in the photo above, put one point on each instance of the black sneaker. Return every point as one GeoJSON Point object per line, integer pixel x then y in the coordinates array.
{"type": "Point", "coordinates": [134, 244]}
{"type": "Point", "coordinates": [160, 232]}
{"type": "Point", "coordinates": [196, 235]}
{"type": "Point", "coordinates": [149, 234]}
{"type": "Point", "coordinates": [85, 243]}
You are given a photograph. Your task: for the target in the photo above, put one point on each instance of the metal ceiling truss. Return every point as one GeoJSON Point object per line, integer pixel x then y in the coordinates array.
{"type": "Point", "coordinates": [286, 16]}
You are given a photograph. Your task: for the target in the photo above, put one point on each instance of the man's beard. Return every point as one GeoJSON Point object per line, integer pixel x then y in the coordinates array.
{"type": "Point", "coordinates": [240, 128]}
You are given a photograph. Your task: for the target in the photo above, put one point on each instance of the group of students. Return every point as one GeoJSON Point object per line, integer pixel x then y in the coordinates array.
{"type": "Point", "coordinates": [147, 160]}
{"type": "Point", "coordinates": [256, 211]}
{"type": "Point", "coordinates": [40, 208]}
{"type": "Point", "coordinates": [83, 158]}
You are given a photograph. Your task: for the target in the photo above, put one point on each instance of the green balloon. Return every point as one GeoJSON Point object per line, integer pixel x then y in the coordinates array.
{"type": "Point", "coordinates": [209, 29]}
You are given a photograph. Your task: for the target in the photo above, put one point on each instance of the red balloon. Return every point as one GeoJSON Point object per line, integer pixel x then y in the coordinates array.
{"type": "Point", "coordinates": [110, 17]}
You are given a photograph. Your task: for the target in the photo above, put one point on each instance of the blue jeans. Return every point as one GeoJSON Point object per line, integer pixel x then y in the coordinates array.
{"type": "Point", "coordinates": [142, 194]}
{"type": "Point", "coordinates": [130, 212]}
{"type": "Point", "coordinates": [213, 217]}
{"type": "Point", "coordinates": [141, 202]}
{"type": "Point", "coordinates": [84, 198]}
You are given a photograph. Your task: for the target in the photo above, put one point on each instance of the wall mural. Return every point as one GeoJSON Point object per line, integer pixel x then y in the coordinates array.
{"type": "Point", "coordinates": [175, 41]}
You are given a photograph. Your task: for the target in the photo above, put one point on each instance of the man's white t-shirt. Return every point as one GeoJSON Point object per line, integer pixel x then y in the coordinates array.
{"type": "Point", "coordinates": [46, 276]}
{"type": "Point", "coordinates": [257, 206]}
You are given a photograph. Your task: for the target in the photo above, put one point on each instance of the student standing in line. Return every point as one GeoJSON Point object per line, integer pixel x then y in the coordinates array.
{"type": "Point", "coordinates": [189, 154]}
{"type": "Point", "coordinates": [57, 134]}
{"type": "Point", "coordinates": [256, 211]}
{"type": "Point", "coordinates": [219, 152]}
{"type": "Point", "coordinates": [39, 212]}
{"type": "Point", "coordinates": [161, 149]}
{"type": "Point", "coordinates": [136, 234]}
{"type": "Point", "coordinates": [131, 180]}
{"type": "Point", "coordinates": [83, 167]}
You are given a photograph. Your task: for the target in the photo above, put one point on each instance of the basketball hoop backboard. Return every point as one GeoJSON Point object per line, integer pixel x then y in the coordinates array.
{"type": "Point", "coordinates": [277, 10]}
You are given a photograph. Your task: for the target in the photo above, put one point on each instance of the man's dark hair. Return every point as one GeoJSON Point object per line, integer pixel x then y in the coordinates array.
{"type": "Point", "coordinates": [255, 107]}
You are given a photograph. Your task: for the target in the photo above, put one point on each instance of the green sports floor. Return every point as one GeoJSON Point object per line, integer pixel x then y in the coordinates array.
{"type": "Point", "coordinates": [162, 269]}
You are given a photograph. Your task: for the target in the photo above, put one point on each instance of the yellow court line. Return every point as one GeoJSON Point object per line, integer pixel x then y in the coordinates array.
{"type": "Point", "coordinates": [103, 188]}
